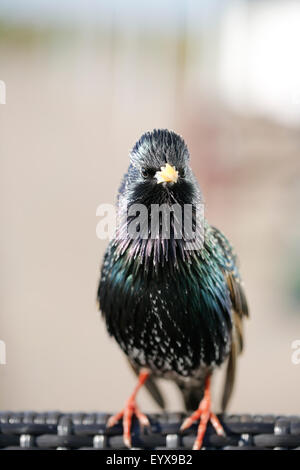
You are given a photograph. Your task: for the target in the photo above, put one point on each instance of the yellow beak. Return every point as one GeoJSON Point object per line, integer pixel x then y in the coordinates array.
{"type": "Point", "coordinates": [168, 174]}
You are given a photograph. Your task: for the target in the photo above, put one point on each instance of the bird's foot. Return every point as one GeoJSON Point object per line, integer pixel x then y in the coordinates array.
{"type": "Point", "coordinates": [131, 409]}
{"type": "Point", "coordinates": [204, 414]}
{"type": "Point", "coordinates": [127, 413]}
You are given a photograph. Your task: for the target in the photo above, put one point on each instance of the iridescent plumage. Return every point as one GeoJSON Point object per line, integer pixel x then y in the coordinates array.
{"type": "Point", "coordinates": [174, 311]}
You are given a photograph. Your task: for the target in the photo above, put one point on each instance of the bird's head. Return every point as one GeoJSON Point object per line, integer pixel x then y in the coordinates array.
{"type": "Point", "coordinates": [159, 175]}
{"type": "Point", "coordinates": [159, 171]}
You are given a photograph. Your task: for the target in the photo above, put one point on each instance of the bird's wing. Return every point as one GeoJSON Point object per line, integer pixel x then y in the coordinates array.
{"type": "Point", "coordinates": [152, 388]}
{"type": "Point", "coordinates": [240, 310]}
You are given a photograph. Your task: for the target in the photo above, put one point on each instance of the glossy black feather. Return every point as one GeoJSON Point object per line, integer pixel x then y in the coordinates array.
{"type": "Point", "coordinates": [170, 309]}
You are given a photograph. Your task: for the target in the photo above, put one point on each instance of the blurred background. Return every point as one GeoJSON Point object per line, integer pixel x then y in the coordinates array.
{"type": "Point", "coordinates": [83, 81]}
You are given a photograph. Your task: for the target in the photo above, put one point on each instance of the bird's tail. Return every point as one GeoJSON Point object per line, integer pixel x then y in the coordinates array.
{"type": "Point", "coordinates": [191, 396]}
{"type": "Point", "coordinates": [229, 377]}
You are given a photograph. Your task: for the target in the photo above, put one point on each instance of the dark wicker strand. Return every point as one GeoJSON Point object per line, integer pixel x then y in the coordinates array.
{"type": "Point", "coordinates": [55, 430]}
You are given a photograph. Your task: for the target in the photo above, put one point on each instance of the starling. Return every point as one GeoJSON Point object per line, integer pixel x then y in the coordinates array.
{"type": "Point", "coordinates": [175, 304]}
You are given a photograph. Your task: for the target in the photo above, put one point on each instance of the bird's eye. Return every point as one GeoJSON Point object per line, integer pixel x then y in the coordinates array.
{"type": "Point", "coordinates": [148, 172]}
{"type": "Point", "coordinates": [182, 172]}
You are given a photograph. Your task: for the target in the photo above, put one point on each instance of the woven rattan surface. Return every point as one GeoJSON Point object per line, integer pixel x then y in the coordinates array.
{"type": "Point", "coordinates": [55, 430]}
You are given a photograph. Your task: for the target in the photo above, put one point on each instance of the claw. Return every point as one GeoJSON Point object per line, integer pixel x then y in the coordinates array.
{"type": "Point", "coordinates": [191, 419]}
{"type": "Point", "coordinates": [142, 418]}
{"type": "Point", "coordinates": [217, 425]}
{"type": "Point", "coordinates": [113, 420]}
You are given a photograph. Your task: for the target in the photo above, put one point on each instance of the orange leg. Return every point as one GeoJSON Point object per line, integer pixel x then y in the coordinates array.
{"type": "Point", "coordinates": [131, 409]}
{"type": "Point", "coordinates": [204, 414]}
